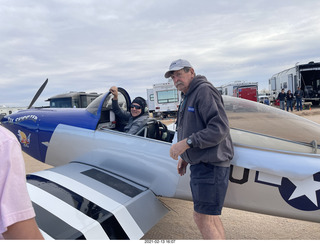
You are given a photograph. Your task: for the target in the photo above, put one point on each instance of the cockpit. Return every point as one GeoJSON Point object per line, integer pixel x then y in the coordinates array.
{"type": "Point", "coordinates": [154, 129]}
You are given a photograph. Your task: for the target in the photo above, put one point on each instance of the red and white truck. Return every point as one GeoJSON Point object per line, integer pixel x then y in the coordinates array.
{"type": "Point", "coordinates": [245, 90]}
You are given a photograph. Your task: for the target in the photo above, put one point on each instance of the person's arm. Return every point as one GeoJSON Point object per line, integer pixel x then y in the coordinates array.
{"type": "Point", "coordinates": [23, 230]}
{"type": "Point", "coordinates": [124, 115]}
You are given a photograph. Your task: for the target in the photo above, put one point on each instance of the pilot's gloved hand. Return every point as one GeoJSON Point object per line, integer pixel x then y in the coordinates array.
{"type": "Point", "coordinates": [114, 91]}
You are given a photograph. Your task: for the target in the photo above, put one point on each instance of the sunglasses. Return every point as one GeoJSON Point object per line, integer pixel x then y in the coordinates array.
{"type": "Point", "coordinates": [135, 106]}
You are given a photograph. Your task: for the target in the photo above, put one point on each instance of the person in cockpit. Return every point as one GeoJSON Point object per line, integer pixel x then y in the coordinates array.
{"type": "Point", "coordinates": [136, 118]}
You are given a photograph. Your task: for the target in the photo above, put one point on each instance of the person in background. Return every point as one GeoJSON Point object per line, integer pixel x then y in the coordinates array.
{"type": "Point", "coordinates": [282, 97]}
{"type": "Point", "coordinates": [299, 95]}
{"type": "Point", "coordinates": [17, 216]}
{"type": "Point", "coordinates": [289, 100]}
{"type": "Point", "coordinates": [136, 118]}
{"type": "Point", "coordinates": [205, 143]}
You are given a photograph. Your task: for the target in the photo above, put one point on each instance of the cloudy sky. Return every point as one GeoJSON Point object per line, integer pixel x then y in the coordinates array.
{"type": "Point", "coordinates": [90, 45]}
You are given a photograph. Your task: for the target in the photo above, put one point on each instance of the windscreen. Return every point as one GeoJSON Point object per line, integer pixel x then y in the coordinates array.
{"type": "Point", "coordinates": [263, 119]}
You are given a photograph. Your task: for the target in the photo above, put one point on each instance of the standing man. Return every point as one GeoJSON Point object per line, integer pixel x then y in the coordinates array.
{"type": "Point", "coordinates": [299, 95]}
{"type": "Point", "coordinates": [204, 142]}
{"type": "Point", "coordinates": [282, 98]}
{"type": "Point", "coordinates": [289, 100]}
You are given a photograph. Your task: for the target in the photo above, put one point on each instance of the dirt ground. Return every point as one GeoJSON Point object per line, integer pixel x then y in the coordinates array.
{"type": "Point", "coordinates": [239, 225]}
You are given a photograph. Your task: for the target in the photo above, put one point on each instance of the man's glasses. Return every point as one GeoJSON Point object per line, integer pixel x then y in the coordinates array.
{"type": "Point", "coordinates": [135, 106]}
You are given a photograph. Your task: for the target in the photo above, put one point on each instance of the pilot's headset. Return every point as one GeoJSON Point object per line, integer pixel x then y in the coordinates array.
{"type": "Point", "coordinates": [142, 102]}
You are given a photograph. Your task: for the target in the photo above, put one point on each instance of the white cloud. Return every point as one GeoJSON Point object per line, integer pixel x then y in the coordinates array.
{"type": "Point", "coordinates": [91, 45]}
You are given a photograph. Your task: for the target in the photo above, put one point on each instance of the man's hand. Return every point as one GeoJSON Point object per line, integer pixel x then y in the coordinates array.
{"type": "Point", "coordinates": [177, 149]}
{"type": "Point", "coordinates": [182, 167]}
{"type": "Point", "coordinates": [114, 91]}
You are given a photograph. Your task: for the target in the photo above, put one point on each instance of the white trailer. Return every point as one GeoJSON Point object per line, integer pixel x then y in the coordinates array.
{"type": "Point", "coordinates": [9, 110]}
{"type": "Point", "coordinates": [150, 100]}
{"type": "Point", "coordinates": [166, 99]}
{"type": "Point", "coordinates": [306, 76]}
{"type": "Point", "coordinates": [227, 89]}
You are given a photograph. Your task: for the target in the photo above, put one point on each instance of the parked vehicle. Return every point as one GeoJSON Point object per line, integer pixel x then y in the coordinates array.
{"type": "Point", "coordinates": [72, 100]}
{"type": "Point", "coordinates": [150, 100]}
{"type": "Point", "coordinates": [264, 99]}
{"type": "Point", "coordinates": [166, 99]}
{"type": "Point", "coordinates": [306, 76]}
{"type": "Point", "coordinates": [245, 90]}
{"type": "Point", "coordinates": [9, 110]}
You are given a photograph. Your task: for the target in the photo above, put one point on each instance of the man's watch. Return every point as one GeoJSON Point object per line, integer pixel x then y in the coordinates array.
{"type": "Point", "coordinates": [189, 142]}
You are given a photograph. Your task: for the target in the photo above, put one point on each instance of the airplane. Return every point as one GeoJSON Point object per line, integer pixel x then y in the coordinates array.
{"type": "Point", "coordinates": [105, 183]}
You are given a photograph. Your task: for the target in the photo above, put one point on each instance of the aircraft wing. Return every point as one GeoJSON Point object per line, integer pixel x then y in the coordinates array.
{"type": "Point", "coordinates": [78, 201]}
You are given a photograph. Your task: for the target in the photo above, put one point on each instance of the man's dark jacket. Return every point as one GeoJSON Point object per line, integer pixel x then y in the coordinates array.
{"type": "Point", "coordinates": [202, 118]}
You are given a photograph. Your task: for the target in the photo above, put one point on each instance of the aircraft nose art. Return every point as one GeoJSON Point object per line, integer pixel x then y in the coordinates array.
{"type": "Point", "coordinates": [77, 201]}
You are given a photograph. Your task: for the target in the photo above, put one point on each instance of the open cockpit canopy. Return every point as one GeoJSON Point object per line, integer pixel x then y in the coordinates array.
{"type": "Point", "coordinates": [256, 118]}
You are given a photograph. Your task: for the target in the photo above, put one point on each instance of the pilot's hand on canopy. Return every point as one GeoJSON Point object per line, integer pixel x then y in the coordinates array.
{"type": "Point", "coordinates": [114, 91]}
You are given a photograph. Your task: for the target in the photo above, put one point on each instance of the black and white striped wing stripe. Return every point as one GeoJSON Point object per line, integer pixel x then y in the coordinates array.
{"type": "Point", "coordinates": [76, 201]}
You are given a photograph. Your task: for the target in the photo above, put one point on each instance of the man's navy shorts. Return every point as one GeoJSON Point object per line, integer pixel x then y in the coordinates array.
{"type": "Point", "coordinates": [209, 185]}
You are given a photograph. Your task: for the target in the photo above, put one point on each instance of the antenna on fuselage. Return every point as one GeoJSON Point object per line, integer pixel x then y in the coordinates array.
{"type": "Point", "coordinates": [38, 94]}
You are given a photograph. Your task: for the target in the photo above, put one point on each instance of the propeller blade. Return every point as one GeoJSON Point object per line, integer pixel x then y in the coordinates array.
{"type": "Point", "coordinates": [38, 93]}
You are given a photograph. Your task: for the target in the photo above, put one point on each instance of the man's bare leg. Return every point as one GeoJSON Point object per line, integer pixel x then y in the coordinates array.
{"type": "Point", "coordinates": [210, 226]}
